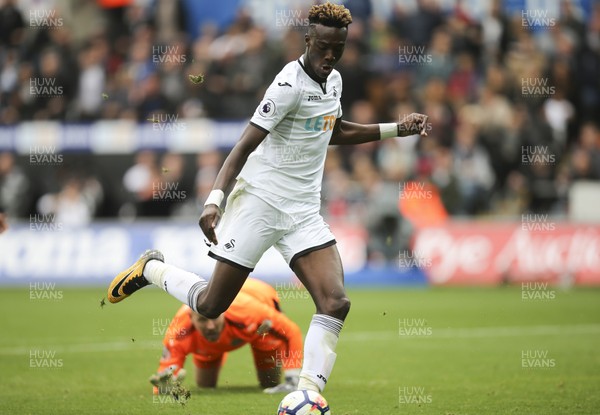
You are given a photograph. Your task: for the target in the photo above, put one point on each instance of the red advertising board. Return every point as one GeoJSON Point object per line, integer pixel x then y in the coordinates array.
{"type": "Point", "coordinates": [492, 253]}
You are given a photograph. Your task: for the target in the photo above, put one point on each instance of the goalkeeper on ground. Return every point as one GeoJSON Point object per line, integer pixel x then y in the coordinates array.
{"type": "Point", "coordinates": [255, 318]}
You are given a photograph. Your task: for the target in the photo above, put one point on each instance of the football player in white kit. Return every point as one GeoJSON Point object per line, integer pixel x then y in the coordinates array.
{"type": "Point", "coordinates": [278, 166]}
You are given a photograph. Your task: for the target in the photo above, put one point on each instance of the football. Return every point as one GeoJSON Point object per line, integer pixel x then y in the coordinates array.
{"type": "Point", "coordinates": [303, 402]}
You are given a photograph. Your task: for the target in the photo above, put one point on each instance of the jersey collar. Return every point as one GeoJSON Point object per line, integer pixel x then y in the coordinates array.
{"type": "Point", "coordinates": [323, 85]}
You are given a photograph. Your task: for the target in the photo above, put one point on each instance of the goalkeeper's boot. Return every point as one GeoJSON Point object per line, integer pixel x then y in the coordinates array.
{"type": "Point", "coordinates": [289, 385]}
{"type": "Point", "coordinates": [132, 279]}
{"type": "Point", "coordinates": [281, 388]}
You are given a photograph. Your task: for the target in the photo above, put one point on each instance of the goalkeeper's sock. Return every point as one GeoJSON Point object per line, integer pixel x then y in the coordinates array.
{"type": "Point", "coordinates": [183, 285]}
{"type": "Point", "coordinates": [319, 352]}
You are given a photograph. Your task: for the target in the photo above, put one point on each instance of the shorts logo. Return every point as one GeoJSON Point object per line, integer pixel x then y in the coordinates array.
{"type": "Point", "coordinates": [229, 246]}
{"type": "Point", "coordinates": [267, 108]}
{"type": "Point", "coordinates": [314, 98]}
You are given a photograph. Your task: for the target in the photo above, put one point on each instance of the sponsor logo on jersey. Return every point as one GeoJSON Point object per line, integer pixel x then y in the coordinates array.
{"type": "Point", "coordinates": [314, 98]}
{"type": "Point", "coordinates": [266, 108]}
{"type": "Point", "coordinates": [320, 123]}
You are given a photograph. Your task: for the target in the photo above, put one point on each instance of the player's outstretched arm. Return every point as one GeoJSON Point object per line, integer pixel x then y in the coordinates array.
{"type": "Point", "coordinates": [345, 132]}
{"type": "Point", "coordinates": [250, 139]}
{"type": "Point", "coordinates": [207, 377]}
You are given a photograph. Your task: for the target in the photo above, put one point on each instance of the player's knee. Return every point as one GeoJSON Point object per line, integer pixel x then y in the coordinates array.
{"type": "Point", "coordinates": [337, 307]}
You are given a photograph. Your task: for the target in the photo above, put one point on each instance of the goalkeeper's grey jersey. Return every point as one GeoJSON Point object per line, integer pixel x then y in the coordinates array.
{"type": "Point", "coordinates": [299, 115]}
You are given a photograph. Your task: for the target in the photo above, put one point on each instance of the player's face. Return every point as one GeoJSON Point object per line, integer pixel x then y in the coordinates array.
{"type": "Point", "coordinates": [324, 48]}
{"type": "Point", "coordinates": [209, 328]}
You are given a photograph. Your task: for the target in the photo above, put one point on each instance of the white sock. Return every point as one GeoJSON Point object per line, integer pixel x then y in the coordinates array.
{"type": "Point", "coordinates": [319, 352]}
{"type": "Point", "coordinates": [183, 285]}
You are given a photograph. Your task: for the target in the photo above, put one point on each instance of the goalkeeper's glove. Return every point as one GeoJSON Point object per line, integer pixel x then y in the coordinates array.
{"type": "Point", "coordinates": [165, 380]}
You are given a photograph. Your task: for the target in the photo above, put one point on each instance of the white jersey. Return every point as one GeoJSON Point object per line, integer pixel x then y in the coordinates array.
{"type": "Point", "coordinates": [299, 114]}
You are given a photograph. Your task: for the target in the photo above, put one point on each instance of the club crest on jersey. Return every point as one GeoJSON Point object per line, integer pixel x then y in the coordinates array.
{"type": "Point", "coordinates": [266, 108]}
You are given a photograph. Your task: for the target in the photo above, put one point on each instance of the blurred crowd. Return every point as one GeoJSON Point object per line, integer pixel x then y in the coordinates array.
{"type": "Point", "coordinates": [513, 104]}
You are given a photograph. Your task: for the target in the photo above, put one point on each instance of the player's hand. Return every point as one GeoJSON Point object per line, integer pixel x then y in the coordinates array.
{"type": "Point", "coordinates": [414, 123]}
{"type": "Point", "coordinates": [264, 327]}
{"type": "Point", "coordinates": [3, 222]}
{"type": "Point", "coordinates": [164, 381]}
{"type": "Point", "coordinates": [208, 222]}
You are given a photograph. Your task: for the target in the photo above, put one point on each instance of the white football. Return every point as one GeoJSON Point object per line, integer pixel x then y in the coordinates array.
{"type": "Point", "coordinates": [303, 402]}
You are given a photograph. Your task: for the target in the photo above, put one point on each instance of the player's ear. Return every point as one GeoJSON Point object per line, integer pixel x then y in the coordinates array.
{"type": "Point", "coordinates": [306, 38]}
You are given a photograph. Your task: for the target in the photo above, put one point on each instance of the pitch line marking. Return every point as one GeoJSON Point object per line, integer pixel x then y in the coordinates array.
{"type": "Point", "coordinates": [361, 336]}
{"type": "Point", "coordinates": [480, 332]}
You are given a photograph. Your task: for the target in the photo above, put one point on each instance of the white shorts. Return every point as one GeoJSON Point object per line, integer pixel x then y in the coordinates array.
{"type": "Point", "coordinates": [250, 226]}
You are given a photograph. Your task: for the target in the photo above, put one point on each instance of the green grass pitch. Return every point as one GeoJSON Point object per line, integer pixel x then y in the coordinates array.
{"type": "Point", "coordinates": [436, 351]}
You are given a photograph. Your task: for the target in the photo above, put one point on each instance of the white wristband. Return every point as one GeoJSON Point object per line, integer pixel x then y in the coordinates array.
{"type": "Point", "coordinates": [388, 130]}
{"type": "Point", "coordinates": [215, 197]}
